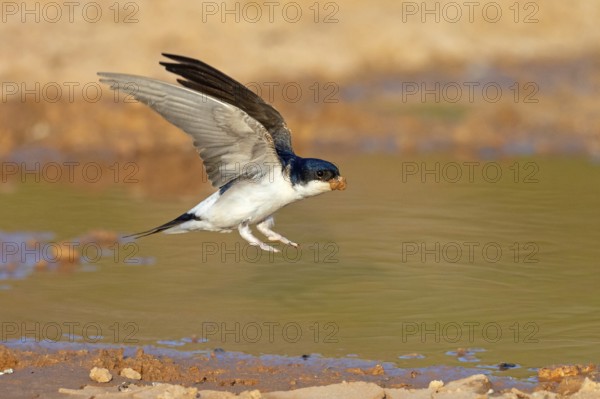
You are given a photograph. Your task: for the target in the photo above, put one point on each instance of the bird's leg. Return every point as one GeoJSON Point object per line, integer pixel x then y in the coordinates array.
{"type": "Point", "coordinates": [246, 234]}
{"type": "Point", "coordinates": [265, 228]}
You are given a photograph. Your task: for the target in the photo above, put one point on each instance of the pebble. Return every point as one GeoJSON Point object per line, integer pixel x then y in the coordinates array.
{"type": "Point", "coordinates": [477, 383]}
{"type": "Point", "coordinates": [130, 373]}
{"type": "Point", "coordinates": [100, 375]}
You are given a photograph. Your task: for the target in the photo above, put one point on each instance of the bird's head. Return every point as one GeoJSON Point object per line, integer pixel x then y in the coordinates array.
{"type": "Point", "coordinates": [312, 176]}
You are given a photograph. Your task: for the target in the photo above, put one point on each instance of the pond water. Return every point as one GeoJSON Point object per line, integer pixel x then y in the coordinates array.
{"type": "Point", "coordinates": [420, 262]}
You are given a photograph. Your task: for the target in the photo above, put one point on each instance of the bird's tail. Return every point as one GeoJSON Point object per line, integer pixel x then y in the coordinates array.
{"type": "Point", "coordinates": [186, 217]}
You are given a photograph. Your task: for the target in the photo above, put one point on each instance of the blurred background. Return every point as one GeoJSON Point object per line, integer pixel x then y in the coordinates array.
{"type": "Point", "coordinates": [499, 77]}
{"type": "Point", "coordinates": [387, 90]}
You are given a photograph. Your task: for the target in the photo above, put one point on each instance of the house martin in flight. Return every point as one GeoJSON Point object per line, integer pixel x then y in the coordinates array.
{"type": "Point", "coordinates": [245, 145]}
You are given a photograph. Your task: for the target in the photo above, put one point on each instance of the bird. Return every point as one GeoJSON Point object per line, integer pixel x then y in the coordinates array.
{"type": "Point", "coordinates": [245, 145]}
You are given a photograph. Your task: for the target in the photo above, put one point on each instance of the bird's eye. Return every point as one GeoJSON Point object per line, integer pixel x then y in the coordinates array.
{"type": "Point", "coordinates": [320, 173]}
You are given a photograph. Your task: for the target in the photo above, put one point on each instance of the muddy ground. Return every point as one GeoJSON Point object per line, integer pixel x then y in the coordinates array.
{"type": "Point", "coordinates": [40, 372]}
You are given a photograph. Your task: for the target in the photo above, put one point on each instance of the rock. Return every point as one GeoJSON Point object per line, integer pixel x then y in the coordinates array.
{"type": "Point", "coordinates": [477, 383]}
{"type": "Point", "coordinates": [100, 375]}
{"type": "Point", "coordinates": [559, 372]}
{"type": "Point", "coordinates": [589, 385]}
{"type": "Point", "coordinates": [506, 366]}
{"type": "Point", "coordinates": [130, 373]}
{"type": "Point", "coordinates": [589, 390]}
{"type": "Point", "coordinates": [346, 390]}
{"type": "Point", "coordinates": [473, 387]}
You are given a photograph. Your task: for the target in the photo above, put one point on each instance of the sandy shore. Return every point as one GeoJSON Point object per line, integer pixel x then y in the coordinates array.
{"type": "Point", "coordinates": [219, 375]}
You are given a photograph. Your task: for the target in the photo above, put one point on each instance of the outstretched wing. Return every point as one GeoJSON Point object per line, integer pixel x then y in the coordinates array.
{"type": "Point", "coordinates": [202, 77]}
{"type": "Point", "coordinates": [232, 143]}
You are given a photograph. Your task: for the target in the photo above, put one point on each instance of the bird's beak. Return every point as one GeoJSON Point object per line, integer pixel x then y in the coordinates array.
{"type": "Point", "coordinates": [338, 184]}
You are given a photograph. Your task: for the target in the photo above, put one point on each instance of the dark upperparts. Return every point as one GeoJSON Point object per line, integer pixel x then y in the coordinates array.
{"type": "Point", "coordinates": [205, 79]}
{"type": "Point", "coordinates": [304, 170]}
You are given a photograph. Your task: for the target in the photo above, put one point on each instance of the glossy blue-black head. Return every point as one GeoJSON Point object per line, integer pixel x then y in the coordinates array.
{"type": "Point", "coordinates": [313, 171]}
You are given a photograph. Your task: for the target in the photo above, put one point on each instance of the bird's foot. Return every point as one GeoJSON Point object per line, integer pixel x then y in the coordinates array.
{"type": "Point", "coordinates": [265, 247]}
{"type": "Point", "coordinates": [283, 240]}
{"type": "Point", "coordinates": [265, 228]}
{"type": "Point", "coordinates": [247, 235]}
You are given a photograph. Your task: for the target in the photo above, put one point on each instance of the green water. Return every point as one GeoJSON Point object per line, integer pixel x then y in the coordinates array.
{"type": "Point", "coordinates": [399, 264]}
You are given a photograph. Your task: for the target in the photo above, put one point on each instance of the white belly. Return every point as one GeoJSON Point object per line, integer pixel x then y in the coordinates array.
{"type": "Point", "coordinates": [249, 202]}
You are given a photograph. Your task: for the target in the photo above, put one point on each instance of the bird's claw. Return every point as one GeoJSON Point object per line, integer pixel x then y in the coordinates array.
{"type": "Point", "coordinates": [283, 240]}
{"type": "Point", "coordinates": [265, 247]}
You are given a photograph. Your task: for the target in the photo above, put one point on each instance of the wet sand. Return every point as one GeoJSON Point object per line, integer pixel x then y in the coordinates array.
{"type": "Point", "coordinates": [37, 371]}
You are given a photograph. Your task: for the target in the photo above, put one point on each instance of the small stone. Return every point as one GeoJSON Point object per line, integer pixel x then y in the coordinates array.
{"type": "Point", "coordinates": [436, 384]}
{"type": "Point", "coordinates": [100, 375]}
{"type": "Point", "coordinates": [505, 366]}
{"type": "Point", "coordinates": [559, 372]}
{"type": "Point", "coordinates": [130, 373]}
{"type": "Point", "coordinates": [477, 383]}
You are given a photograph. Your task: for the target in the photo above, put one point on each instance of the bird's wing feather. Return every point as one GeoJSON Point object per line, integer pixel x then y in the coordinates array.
{"type": "Point", "coordinates": [226, 137]}
{"type": "Point", "coordinates": [203, 78]}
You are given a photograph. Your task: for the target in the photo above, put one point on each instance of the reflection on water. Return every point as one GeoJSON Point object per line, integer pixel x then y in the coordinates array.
{"type": "Point", "coordinates": [420, 262]}
{"type": "Point", "coordinates": [26, 252]}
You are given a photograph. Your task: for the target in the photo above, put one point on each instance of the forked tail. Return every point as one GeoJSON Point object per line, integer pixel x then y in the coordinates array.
{"type": "Point", "coordinates": [186, 217]}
